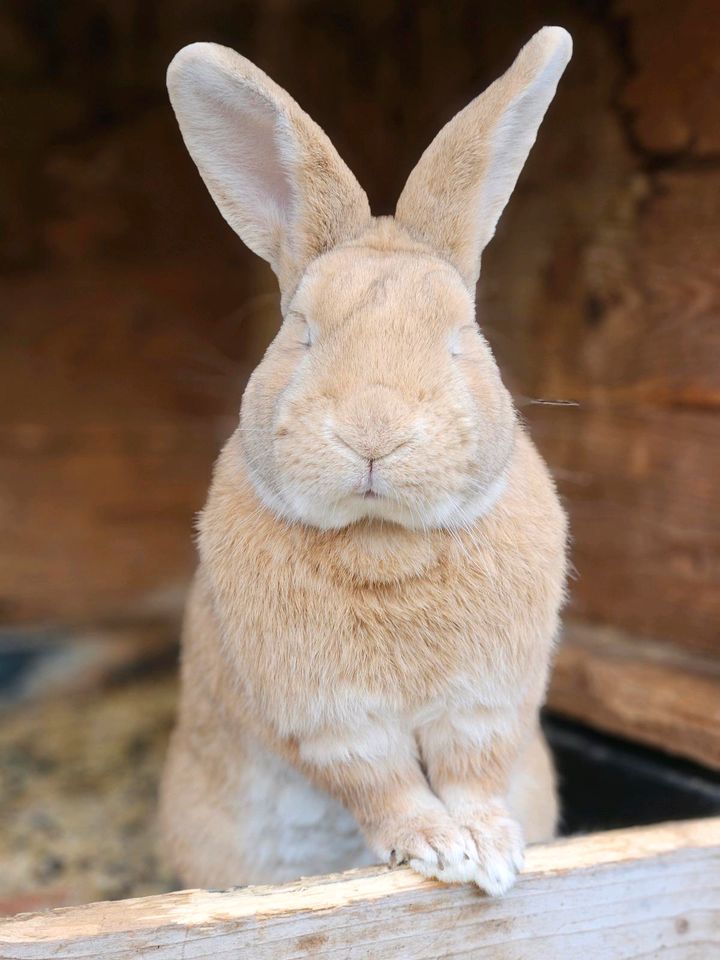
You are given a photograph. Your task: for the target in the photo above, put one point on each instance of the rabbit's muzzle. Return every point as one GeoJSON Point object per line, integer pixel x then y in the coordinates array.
{"type": "Point", "coordinates": [374, 423]}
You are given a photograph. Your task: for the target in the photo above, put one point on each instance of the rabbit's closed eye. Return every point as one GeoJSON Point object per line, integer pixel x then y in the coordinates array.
{"type": "Point", "coordinates": [302, 333]}
{"type": "Point", "coordinates": [460, 342]}
{"type": "Point", "coordinates": [305, 337]}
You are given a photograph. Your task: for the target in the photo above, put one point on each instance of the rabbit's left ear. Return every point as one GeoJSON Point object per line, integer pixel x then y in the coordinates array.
{"type": "Point", "coordinates": [274, 174]}
{"type": "Point", "coordinates": [455, 195]}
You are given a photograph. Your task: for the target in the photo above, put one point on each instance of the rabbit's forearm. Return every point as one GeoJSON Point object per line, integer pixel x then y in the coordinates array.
{"type": "Point", "coordinates": [469, 755]}
{"type": "Point", "coordinates": [373, 771]}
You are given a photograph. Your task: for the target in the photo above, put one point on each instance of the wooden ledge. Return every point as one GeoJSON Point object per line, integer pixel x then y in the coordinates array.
{"type": "Point", "coordinates": [639, 690]}
{"type": "Point", "coordinates": [617, 895]}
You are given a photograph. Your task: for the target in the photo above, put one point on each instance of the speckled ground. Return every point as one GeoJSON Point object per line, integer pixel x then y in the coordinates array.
{"type": "Point", "coordinates": [78, 784]}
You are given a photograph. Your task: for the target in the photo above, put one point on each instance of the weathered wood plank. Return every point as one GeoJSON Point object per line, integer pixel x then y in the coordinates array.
{"type": "Point", "coordinates": [642, 328]}
{"type": "Point", "coordinates": [621, 895]}
{"type": "Point", "coordinates": [644, 504]}
{"type": "Point", "coordinates": [109, 430]}
{"type": "Point", "coordinates": [646, 692]}
{"type": "Point", "coordinates": [672, 94]}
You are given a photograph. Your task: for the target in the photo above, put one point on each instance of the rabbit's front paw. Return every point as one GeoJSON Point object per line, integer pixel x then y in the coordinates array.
{"type": "Point", "coordinates": [430, 842]}
{"type": "Point", "coordinates": [497, 843]}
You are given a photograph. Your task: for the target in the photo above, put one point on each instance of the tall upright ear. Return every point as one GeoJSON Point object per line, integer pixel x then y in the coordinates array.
{"type": "Point", "coordinates": [455, 195]}
{"type": "Point", "coordinates": [271, 170]}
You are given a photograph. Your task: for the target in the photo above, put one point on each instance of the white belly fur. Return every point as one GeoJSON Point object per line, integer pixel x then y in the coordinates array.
{"type": "Point", "coordinates": [292, 828]}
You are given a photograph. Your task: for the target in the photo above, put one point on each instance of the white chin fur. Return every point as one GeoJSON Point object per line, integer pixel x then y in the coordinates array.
{"type": "Point", "coordinates": [451, 512]}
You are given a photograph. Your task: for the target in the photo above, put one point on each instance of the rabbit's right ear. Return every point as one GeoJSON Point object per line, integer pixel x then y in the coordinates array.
{"type": "Point", "coordinates": [271, 170]}
{"type": "Point", "coordinates": [455, 195]}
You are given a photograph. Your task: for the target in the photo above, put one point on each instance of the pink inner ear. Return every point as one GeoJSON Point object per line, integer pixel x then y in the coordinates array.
{"type": "Point", "coordinates": [245, 163]}
{"type": "Point", "coordinates": [272, 172]}
{"type": "Point", "coordinates": [259, 156]}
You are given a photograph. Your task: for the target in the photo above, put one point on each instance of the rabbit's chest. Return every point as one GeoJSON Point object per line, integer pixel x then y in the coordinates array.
{"type": "Point", "coordinates": [383, 620]}
{"type": "Point", "coordinates": [325, 650]}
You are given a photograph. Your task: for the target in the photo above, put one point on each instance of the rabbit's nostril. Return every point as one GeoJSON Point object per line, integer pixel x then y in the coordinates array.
{"type": "Point", "coordinates": [398, 446]}
{"type": "Point", "coordinates": [348, 445]}
{"type": "Point", "coordinates": [370, 448]}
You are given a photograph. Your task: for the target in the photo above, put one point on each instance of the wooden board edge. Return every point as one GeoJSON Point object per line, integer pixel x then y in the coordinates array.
{"type": "Point", "coordinates": [200, 909]}
{"type": "Point", "coordinates": [639, 690]}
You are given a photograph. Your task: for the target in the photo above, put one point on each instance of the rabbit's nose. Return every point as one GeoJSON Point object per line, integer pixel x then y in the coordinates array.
{"type": "Point", "coordinates": [373, 423]}
{"type": "Point", "coordinates": [368, 450]}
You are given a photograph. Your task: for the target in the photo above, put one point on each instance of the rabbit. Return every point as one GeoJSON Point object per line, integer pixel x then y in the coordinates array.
{"type": "Point", "coordinates": [382, 555]}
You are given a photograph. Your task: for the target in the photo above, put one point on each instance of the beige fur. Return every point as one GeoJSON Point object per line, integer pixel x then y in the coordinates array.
{"type": "Point", "coordinates": [382, 553]}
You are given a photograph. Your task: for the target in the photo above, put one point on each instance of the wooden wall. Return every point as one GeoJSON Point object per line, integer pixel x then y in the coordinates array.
{"type": "Point", "coordinates": [130, 314]}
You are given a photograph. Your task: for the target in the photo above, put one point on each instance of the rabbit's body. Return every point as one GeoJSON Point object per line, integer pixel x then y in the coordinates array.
{"type": "Point", "coordinates": [351, 637]}
{"type": "Point", "coordinates": [382, 555]}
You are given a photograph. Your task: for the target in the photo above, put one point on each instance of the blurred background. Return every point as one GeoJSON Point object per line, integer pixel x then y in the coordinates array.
{"type": "Point", "coordinates": [131, 316]}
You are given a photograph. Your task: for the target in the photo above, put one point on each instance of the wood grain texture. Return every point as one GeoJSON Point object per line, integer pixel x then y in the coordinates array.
{"type": "Point", "coordinates": [674, 92]}
{"type": "Point", "coordinates": [109, 430]}
{"type": "Point", "coordinates": [621, 895]}
{"type": "Point", "coordinates": [634, 321]}
{"type": "Point", "coordinates": [640, 486]}
{"type": "Point", "coordinates": [654, 694]}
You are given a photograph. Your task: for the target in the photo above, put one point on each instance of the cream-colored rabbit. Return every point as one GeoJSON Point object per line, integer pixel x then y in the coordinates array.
{"type": "Point", "coordinates": [382, 554]}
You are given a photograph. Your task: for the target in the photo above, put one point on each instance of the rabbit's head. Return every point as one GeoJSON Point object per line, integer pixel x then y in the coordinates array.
{"type": "Point", "coordinates": [379, 397]}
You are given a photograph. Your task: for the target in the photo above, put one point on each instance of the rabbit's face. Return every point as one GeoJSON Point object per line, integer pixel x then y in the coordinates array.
{"type": "Point", "coordinates": [379, 398]}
